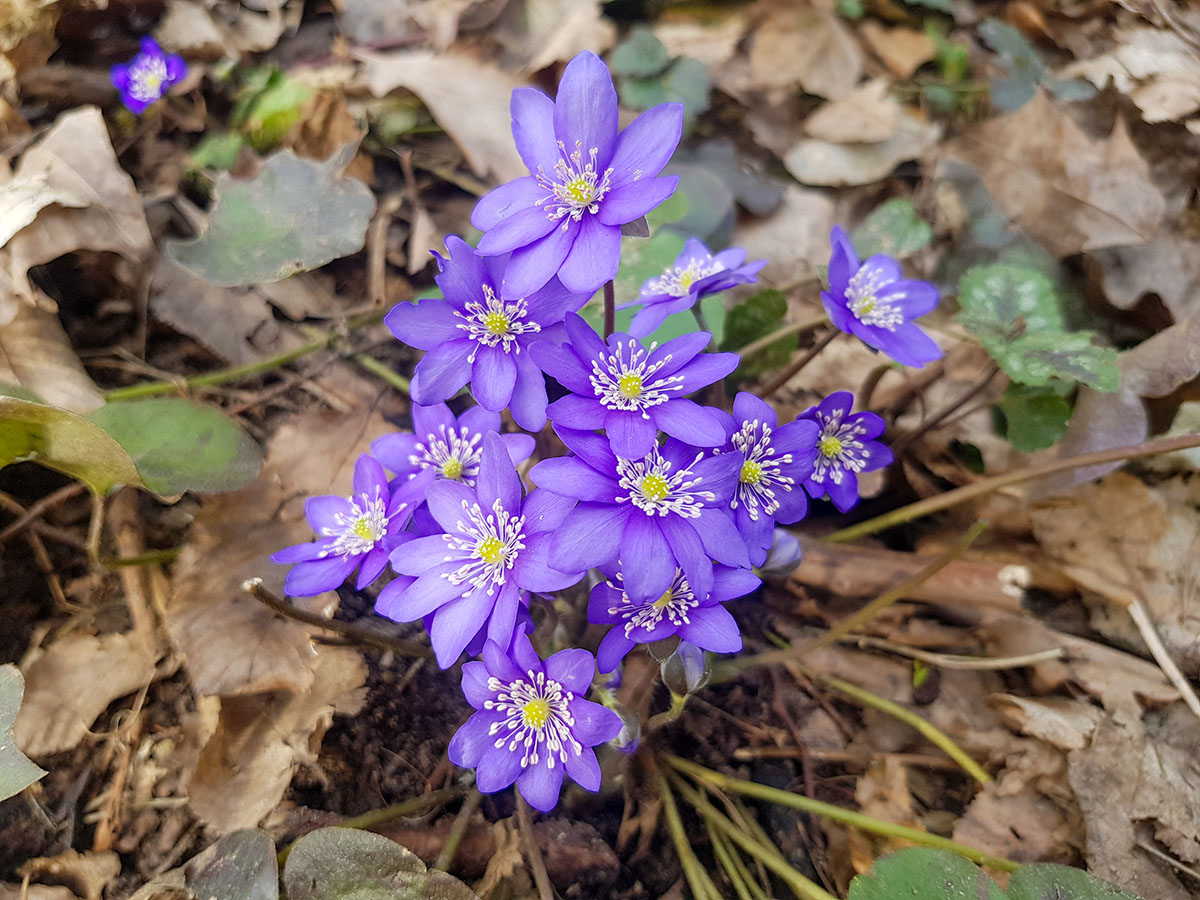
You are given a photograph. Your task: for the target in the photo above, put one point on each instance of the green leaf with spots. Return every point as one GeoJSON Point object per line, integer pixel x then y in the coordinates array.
{"type": "Point", "coordinates": [17, 771]}
{"type": "Point", "coordinates": [688, 82]}
{"type": "Point", "coordinates": [642, 93]}
{"type": "Point", "coordinates": [295, 215]}
{"type": "Point", "coordinates": [1042, 357]}
{"type": "Point", "coordinates": [1044, 881]}
{"type": "Point", "coordinates": [753, 318]}
{"type": "Point", "coordinates": [218, 151]}
{"type": "Point", "coordinates": [1004, 300]}
{"type": "Point", "coordinates": [1034, 418]}
{"type": "Point", "coordinates": [893, 228]}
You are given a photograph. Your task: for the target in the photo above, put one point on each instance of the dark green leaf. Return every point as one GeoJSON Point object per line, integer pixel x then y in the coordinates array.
{"type": "Point", "coordinates": [642, 93]}
{"type": "Point", "coordinates": [924, 873]}
{"type": "Point", "coordinates": [1043, 881]}
{"type": "Point", "coordinates": [939, 5]}
{"type": "Point", "coordinates": [295, 215]}
{"type": "Point", "coordinates": [1024, 68]}
{"type": "Point", "coordinates": [753, 318]}
{"type": "Point", "coordinates": [243, 868]}
{"type": "Point", "coordinates": [687, 82]}
{"type": "Point", "coordinates": [893, 228]}
{"type": "Point", "coordinates": [346, 864]}
{"type": "Point", "coordinates": [269, 107]}
{"type": "Point", "coordinates": [218, 151]}
{"type": "Point", "coordinates": [17, 772]}
{"type": "Point", "coordinates": [640, 55]}
{"type": "Point", "coordinates": [1035, 418]}
{"type": "Point", "coordinates": [181, 446]}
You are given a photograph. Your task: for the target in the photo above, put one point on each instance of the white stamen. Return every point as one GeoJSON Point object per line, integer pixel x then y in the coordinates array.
{"type": "Point", "coordinates": [359, 530]}
{"type": "Point", "coordinates": [625, 380]}
{"type": "Point", "coordinates": [760, 476]}
{"type": "Point", "coordinates": [488, 549]}
{"type": "Point", "coordinates": [146, 78]}
{"type": "Point", "coordinates": [839, 448]}
{"type": "Point", "coordinates": [865, 304]}
{"type": "Point", "coordinates": [537, 719]}
{"type": "Point", "coordinates": [675, 605]}
{"type": "Point", "coordinates": [575, 186]}
{"type": "Point", "coordinates": [450, 451]}
{"type": "Point", "coordinates": [677, 281]}
{"type": "Point", "coordinates": [657, 491]}
{"type": "Point", "coordinates": [495, 322]}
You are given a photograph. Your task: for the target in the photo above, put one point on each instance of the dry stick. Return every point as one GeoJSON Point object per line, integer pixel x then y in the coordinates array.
{"type": "Point", "coordinates": [779, 334]}
{"type": "Point", "coordinates": [838, 814]}
{"type": "Point", "coordinates": [445, 859]}
{"type": "Point", "coordinates": [537, 865]}
{"type": "Point", "coordinates": [35, 510]}
{"type": "Point", "coordinates": [790, 372]}
{"type": "Point", "coordinates": [956, 661]}
{"type": "Point", "coordinates": [946, 411]}
{"type": "Point", "coordinates": [355, 633]}
{"type": "Point", "coordinates": [610, 309]}
{"type": "Point", "coordinates": [988, 485]}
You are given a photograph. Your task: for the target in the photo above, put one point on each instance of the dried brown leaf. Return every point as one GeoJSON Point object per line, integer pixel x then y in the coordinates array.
{"type": "Point", "coordinates": [903, 50]}
{"type": "Point", "coordinates": [812, 50]}
{"type": "Point", "coordinates": [86, 873]}
{"type": "Point", "coordinates": [539, 33]}
{"type": "Point", "coordinates": [713, 40]}
{"type": "Point", "coordinates": [820, 162]}
{"type": "Point", "coordinates": [1061, 721]}
{"type": "Point", "coordinates": [35, 354]}
{"type": "Point", "coordinates": [867, 115]}
{"type": "Point", "coordinates": [795, 238]}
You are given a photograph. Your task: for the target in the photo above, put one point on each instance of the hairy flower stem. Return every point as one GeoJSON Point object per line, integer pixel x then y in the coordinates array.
{"type": "Point", "coordinates": [610, 309]}
{"type": "Point", "coordinates": [702, 324]}
{"type": "Point", "coordinates": [790, 372]}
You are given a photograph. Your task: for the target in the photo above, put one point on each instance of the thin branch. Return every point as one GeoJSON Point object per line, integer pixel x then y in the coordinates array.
{"type": "Point", "coordinates": [533, 855]}
{"type": "Point", "coordinates": [762, 343]}
{"type": "Point", "coordinates": [37, 509]}
{"type": "Point", "coordinates": [933, 421]}
{"type": "Point", "coordinates": [445, 858]}
{"type": "Point", "coordinates": [792, 370]}
{"type": "Point", "coordinates": [956, 661]}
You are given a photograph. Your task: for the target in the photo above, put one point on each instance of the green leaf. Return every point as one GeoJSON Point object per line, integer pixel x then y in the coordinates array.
{"type": "Point", "coordinates": [687, 82]}
{"type": "Point", "coordinates": [268, 107]}
{"type": "Point", "coordinates": [753, 318]}
{"type": "Point", "coordinates": [893, 228]}
{"type": "Point", "coordinates": [347, 864]}
{"type": "Point", "coordinates": [642, 93]}
{"type": "Point", "coordinates": [17, 771]}
{"type": "Point", "coordinates": [218, 151]}
{"type": "Point", "coordinates": [181, 446]}
{"type": "Point", "coordinates": [1035, 418]}
{"type": "Point", "coordinates": [295, 215]}
{"type": "Point", "coordinates": [1040, 881]}
{"type": "Point", "coordinates": [939, 5]}
{"type": "Point", "coordinates": [63, 441]}
{"type": "Point", "coordinates": [1024, 68]}
{"type": "Point", "coordinates": [1043, 356]}
{"type": "Point", "coordinates": [1003, 300]}
{"type": "Point", "coordinates": [243, 868]}
{"type": "Point", "coordinates": [921, 872]}
{"type": "Point", "coordinates": [640, 55]}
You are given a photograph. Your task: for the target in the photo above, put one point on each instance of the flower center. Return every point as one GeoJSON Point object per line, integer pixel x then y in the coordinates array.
{"type": "Point", "coordinates": [657, 491]}
{"type": "Point", "coordinates": [536, 719]}
{"type": "Point", "coordinates": [675, 606]}
{"type": "Point", "coordinates": [495, 323]}
{"type": "Point", "coordinates": [453, 452]}
{"type": "Point", "coordinates": [625, 379]}
{"type": "Point", "coordinates": [147, 77]}
{"type": "Point", "coordinates": [488, 546]}
{"type": "Point", "coordinates": [357, 532]}
{"type": "Point", "coordinates": [840, 448]}
{"type": "Point", "coordinates": [865, 304]}
{"type": "Point", "coordinates": [665, 600]}
{"type": "Point", "coordinates": [677, 281]}
{"type": "Point", "coordinates": [762, 471]}
{"type": "Point", "coordinates": [575, 186]}
{"type": "Point", "coordinates": [829, 445]}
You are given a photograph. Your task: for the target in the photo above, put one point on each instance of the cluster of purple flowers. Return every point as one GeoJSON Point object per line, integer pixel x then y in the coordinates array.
{"type": "Point", "coordinates": [673, 502]}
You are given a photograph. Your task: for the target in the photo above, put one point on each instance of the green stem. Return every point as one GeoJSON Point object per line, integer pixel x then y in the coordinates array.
{"type": "Point", "coordinates": [702, 886]}
{"type": "Point", "coordinates": [210, 379]}
{"type": "Point", "coordinates": [462, 821]}
{"type": "Point", "coordinates": [378, 369]}
{"type": "Point", "coordinates": [142, 559]}
{"type": "Point", "coordinates": [725, 856]}
{"type": "Point", "coordinates": [610, 309]}
{"type": "Point", "coordinates": [980, 488]}
{"type": "Point", "coordinates": [838, 814]}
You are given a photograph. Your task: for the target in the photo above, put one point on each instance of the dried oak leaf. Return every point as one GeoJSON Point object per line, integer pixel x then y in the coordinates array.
{"type": "Point", "coordinates": [1069, 192]}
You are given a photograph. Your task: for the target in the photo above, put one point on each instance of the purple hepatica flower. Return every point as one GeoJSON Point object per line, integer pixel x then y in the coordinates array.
{"type": "Point", "coordinates": [871, 301]}
{"type": "Point", "coordinates": [451, 447]}
{"type": "Point", "coordinates": [775, 463]}
{"type": "Point", "coordinates": [665, 511]}
{"type": "Point", "coordinates": [632, 391]}
{"type": "Point", "coordinates": [362, 528]}
{"type": "Point", "coordinates": [147, 76]}
{"type": "Point", "coordinates": [532, 722]}
{"type": "Point", "coordinates": [845, 447]}
{"type": "Point", "coordinates": [494, 548]}
{"type": "Point", "coordinates": [696, 273]}
{"type": "Point", "coordinates": [699, 618]}
{"type": "Point", "coordinates": [585, 181]}
{"type": "Point", "coordinates": [474, 335]}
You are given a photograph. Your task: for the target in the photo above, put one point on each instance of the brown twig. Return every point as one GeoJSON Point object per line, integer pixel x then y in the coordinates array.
{"type": "Point", "coordinates": [933, 421]}
{"type": "Point", "coordinates": [792, 370]}
{"type": "Point", "coordinates": [533, 854]}
{"type": "Point", "coordinates": [40, 507]}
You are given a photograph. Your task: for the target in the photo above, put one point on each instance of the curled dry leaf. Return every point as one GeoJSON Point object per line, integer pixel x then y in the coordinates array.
{"type": "Point", "coordinates": [713, 40]}
{"type": "Point", "coordinates": [801, 47]}
{"type": "Point", "coordinates": [867, 115]}
{"type": "Point", "coordinates": [35, 354]}
{"type": "Point", "coordinates": [903, 50]}
{"type": "Point", "coordinates": [539, 33]}
{"type": "Point", "coordinates": [821, 162]}
{"type": "Point", "coordinates": [86, 873]}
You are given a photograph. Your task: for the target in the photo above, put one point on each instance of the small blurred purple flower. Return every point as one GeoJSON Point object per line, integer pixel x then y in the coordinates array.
{"type": "Point", "coordinates": [845, 447]}
{"type": "Point", "coordinates": [147, 76]}
{"type": "Point", "coordinates": [362, 528]}
{"type": "Point", "coordinates": [871, 301]}
{"type": "Point", "coordinates": [668, 510]}
{"type": "Point", "coordinates": [776, 461]}
{"type": "Point", "coordinates": [585, 181]}
{"type": "Point", "coordinates": [632, 391]}
{"type": "Point", "coordinates": [473, 335]}
{"type": "Point", "coordinates": [493, 549]}
{"type": "Point", "coordinates": [451, 447]}
{"type": "Point", "coordinates": [532, 722]}
{"type": "Point", "coordinates": [679, 611]}
{"type": "Point", "coordinates": [697, 273]}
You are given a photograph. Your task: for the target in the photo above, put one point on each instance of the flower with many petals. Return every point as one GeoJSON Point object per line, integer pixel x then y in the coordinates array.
{"type": "Point", "coordinates": [585, 181]}
{"type": "Point", "coordinates": [845, 447]}
{"type": "Point", "coordinates": [532, 722]}
{"type": "Point", "coordinates": [494, 548]}
{"type": "Point", "coordinates": [146, 77]}
{"type": "Point", "coordinates": [697, 273]}
{"type": "Point", "coordinates": [360, 529]}
{"type": "Point", "coordinates": [475, 335]}
{"type": "Point", "coordinates": [679, 610]}
{"type": "Point", "coordinates": [875, 303]}
{"type": "Point", "coordinates": [632, 391]}
{"type": "Point", "coordinates": [665, 511]}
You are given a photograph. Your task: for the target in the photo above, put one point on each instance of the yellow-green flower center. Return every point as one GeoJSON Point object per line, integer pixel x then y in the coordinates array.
{"type": "Point", "coordinates": [364, 528]}
{"type": "Point", "coordinates": [452, 468]}
{"type": "Point", "coordinates": [655, 487]}
{"type": "Point", "coordinates": [496, 323]}
{"type": "Point", "coordinates": [752, 472]}
{"type": "Point", "coordinates": [630, 385]}
{"type": "Point", "coordinates": [490, 550]}
{"type": "Point", "coordinates": [665, 600]}
{"type": "Point", "coordinates": [535, 713]}
{"type": "Point", "coordinates": [830, 446]}
{"type": "Point", "coordinates": [581, 189]}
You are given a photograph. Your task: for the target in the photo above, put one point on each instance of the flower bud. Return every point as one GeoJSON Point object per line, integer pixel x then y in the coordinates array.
{"type": "Point", "coordinates": [785, 554]}
{"type": "Point", "coordinates": [630, 736]}
{"type": "Point", "coordinates": [687, 670]}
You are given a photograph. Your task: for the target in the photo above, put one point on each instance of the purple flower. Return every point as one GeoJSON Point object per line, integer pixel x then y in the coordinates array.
{"type": "Point", "coordinates": [845, 447]}
{"type": "Point", "coordinates": [668, 510]}
{"type": "Point", "coordinates": [533, 723]}
{"type": "Point", "coordinates": [632, 391]}
{"type": "Point", "coordinates": [696, 273]}
{"type": "Point", "coordinates": [474, 335]}
{"type": "Point", "coordinates": [874, 303]}
{"type": "Point", "coordinates": [494, 548]}
{"type": "Point", "coordinates": [775, 463]}
{"type": "Point", "coordinates": [451, 447]}
{"type": "Point", "coordinates": [699, 618]}
{"type": "Point", "coordinates": [785, 554]}
{"type": "Point", "coordinates": [147, 76]}
{"type": "Point", "coordinates": [362, 528]}
{"type": "Point", "coordinates": [585, 181]}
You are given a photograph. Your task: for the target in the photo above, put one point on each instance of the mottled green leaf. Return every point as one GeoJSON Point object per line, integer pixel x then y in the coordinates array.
{"type": "Point", "coordinates": [218, 151]}
{"type": "Point", "coordinates": [1034, 418]}
{"type": "Point", "coordinates": [640, 55]}
{"type": "Point", "coordinates": [243, 868]}
{"type": "Point", "coordinates": [1024, 69]}
{"type": "Point", "coordinates": [17, 771]}
{"type": "Point", "coordinates": [893, 228]}
{"type": "Point", "coordinates": [753, 318]}
{"type": "Point", "coordinates": [181, 446]}
{"type": "Point", "coordinates": [687, 82]}
{"type": "Point", "coordinates": [642, 93]}
{"type": "Point", "coordinates": [1044, 881]}
{"type": "Point", "coordinates": [1004, 300]}
{"type": "Point", "coordinates": [1041, 357]}
{"type": "Point", "coordinates": [294, 215]}
{"type": "Point", "coordinates": [268, 107]}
